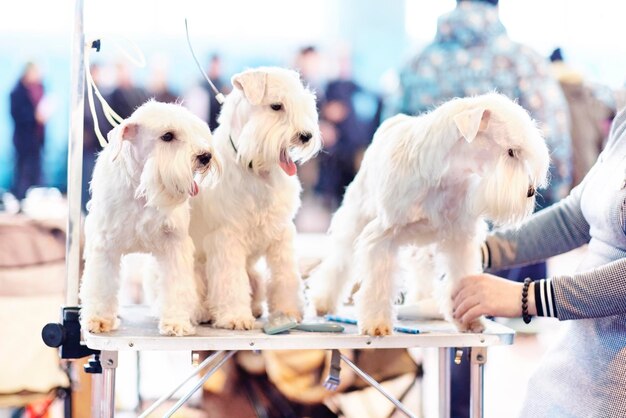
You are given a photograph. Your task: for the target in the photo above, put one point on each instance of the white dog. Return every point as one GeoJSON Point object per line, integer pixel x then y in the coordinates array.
{"type": "Point", "coordinates": [140, 191]}
{"type": "Point", "coordinates": [267, 122]}
{"type": "Point", "coordinates": [430, 180]}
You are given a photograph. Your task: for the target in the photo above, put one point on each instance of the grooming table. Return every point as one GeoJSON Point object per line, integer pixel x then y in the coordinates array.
{"type": "Point", "coordinates": [138, 331]}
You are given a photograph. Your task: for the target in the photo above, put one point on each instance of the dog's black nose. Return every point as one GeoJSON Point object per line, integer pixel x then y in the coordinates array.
{"type": "Point", "coordinates": [531, 191]}
{"type": "Point", "coordinates": [305, 136]}
{"type": "Point", "coordinates": [205, 158]}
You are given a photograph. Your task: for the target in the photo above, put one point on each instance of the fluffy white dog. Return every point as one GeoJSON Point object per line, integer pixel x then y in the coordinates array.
{"type": "Point", "coordinates": [267, 122]}
{"type": "Point", "coordinates": [430, 180]}
{"type": "Point", "coordinates": [139, 203]}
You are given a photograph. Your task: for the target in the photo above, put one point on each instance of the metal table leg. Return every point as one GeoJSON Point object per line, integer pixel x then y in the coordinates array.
{"type": "Point", "coordinates": [372, 382]}
{"type": "Point", "coordinates": [169, 394]}
{"type": "Point", "coordinates": [103, 391]}
{"type": "Point", "coordinates": [478, 358]}
{"type": "Point", "coordinates": [445, 355]}
{"type": "Point", "coordinates": [199, 384]}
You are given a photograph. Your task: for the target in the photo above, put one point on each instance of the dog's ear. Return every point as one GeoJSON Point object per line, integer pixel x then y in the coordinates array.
{"type": "Point", "coordinates": [119, 134]}
{"type": "Point", "coordinates": [252, 83]}
{"type": "Point", "coordinates": [471, 122]}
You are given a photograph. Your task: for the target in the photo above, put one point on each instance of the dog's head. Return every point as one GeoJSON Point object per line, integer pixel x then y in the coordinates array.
{"type": "Point", "coordinates": [169, 146]}
{"type": "Point", "coordinates": [504, 147]}
{"type": "Point", "coordinates": [272, 119]}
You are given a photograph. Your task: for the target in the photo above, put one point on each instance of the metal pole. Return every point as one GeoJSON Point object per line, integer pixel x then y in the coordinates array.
{"type": "Point", "coordinates": [169, 394]}
{"type": "Point", "coordinates": [103, 390]}
{"type": "Point", "coordinates": [444, 381]}
{"type": "Point", "coordinates": [478, 358]}
{"type": "Point", "coordinates": [75, 158]}
{"type": "Point", "coordinates": [198, 385]}
{"type": "Point", "coordinates": [369, 379]}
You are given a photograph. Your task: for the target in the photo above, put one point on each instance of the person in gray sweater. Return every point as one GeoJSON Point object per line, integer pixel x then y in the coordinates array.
{"type": "Point", "coordinates": [584, 374]}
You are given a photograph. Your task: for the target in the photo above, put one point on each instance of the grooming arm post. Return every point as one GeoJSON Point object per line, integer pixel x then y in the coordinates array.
{"type": "Point", "coordinates": [75, 158]}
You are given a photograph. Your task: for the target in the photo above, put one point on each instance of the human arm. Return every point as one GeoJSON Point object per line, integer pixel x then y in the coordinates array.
{"type": "Point", "coordinates": [486, 294]}
{"type": "Point", "coordinates": [597, 293]}
{"type": "Point", "coordinates": [552, 231]}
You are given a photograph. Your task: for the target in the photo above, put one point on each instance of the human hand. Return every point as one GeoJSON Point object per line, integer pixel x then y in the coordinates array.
{"type": "Point", "coordinates": [486, 294]}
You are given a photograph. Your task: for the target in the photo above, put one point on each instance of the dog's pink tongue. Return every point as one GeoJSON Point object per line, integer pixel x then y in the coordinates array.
{"type": "Point", "coordinates": [287, 164]}
{"type": "Point", "coordinates": [194, 189]}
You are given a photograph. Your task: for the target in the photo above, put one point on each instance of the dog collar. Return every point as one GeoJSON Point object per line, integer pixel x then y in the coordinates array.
{"type": "Point", "coordinates": [235, 148]}
{"type": "Point", "coordinates": [233, 144]}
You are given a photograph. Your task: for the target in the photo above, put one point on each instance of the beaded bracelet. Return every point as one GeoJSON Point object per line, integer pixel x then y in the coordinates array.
{"type": "Point", "coordinates": [525, 315]}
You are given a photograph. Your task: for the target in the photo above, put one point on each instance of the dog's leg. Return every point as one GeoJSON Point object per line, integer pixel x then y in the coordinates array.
{"type": "Point", "coordinates": [179, 298]}
{"type": "Point", "coordinates": [419, 272]}
{"type": "Point", "coordinates": [284, 288]}
{"type": "Point", "coordinates": [375, 262]}
{"type": "Point", "coordinates": [228, 285]}
{"type": "Point", "coordinates": [257, 284]}
{"type": "Point", "coordinates": [99, 288]}
{"type": "Point", "coordinates": [203, 313]}
{"type": "Point", "coordinates": [460, 257]}
{"type": "Point", "coordinates": [328, 284]}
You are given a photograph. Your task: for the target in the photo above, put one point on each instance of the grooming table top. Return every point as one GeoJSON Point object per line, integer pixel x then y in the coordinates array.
{"type": "Point", "coordinates": [138, 331]}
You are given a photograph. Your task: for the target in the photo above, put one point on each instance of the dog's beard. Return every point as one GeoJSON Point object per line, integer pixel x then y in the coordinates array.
{"type": "Point", "coordinates": [504, 194]}
{"type": "Point", "coordinates": [263, 147]}
{"type": "Point", "coordinates": [166, 185]}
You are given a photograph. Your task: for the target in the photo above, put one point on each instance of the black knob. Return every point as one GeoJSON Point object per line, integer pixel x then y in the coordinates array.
{"type": "Point", "coordinates": [94, 365]}
{"type": "Point", "coordinates": [53, 335]}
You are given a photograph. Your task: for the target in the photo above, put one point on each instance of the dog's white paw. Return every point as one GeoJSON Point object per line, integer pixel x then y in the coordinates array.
{"type": "Point", "coordinates": [235, 322]}
{"type": "Point", "coordinates": [176, 327]}
{"type": "Point", "coordinates": [477, 326]}
{"type": "Point", "coordinates": [295, 314]}
{"type": "Point", "coordinates": [293, 311]}
{"type": "Point", "coordinates": [257, 309]}
{"type": "Point", "coordinates": [202, 315]}
{"type": "Point", "coordinates": [97, 324]}
{"type": "Point", "coordinates": [323, 304]}
{"type": "Point", "coordinates": [375, 328]}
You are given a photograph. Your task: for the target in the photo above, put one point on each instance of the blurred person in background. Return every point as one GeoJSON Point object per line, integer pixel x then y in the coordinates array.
{"type": "Point", "coordinates": [215, 75]}
{"type": "Point", "coordinates": [346, 133]}
{"type": "Point", "coordinates": [314, 215]}
{"type": "Point", "coordinates": [28, 136]}
{"type": "Point", "coordinates": [200, 98]}
{"type": "Point", "coordinates": [126, 96]}
{"type": "Point", "coordinates": [310, 64]}
{"type": "Point", "coordinates": [589, 115]}
{"type": "Point", "coordinates": [159, 87]}
{"type": "Point", "coordinates": [470, 55]}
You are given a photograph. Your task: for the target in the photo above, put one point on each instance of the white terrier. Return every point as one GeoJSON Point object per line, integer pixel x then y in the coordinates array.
{"type": "Point", "coordinates": [430, 180]}
{"type": "Point", "coordinates": [139, 203]}
{"type": "Point", "coordinates": [267, 122]}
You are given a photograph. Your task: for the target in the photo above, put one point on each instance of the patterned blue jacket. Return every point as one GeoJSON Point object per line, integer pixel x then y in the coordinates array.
{"type": "Point", "coordinates": [472, 54]}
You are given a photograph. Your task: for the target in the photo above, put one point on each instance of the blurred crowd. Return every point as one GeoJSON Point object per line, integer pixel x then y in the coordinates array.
{"type": "Point", "coordinates": [574, 114]}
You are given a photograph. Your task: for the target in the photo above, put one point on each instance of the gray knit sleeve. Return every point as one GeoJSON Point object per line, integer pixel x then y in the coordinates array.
{"type": "Point", "coordinates": [552, 231]}
{"type": "Point", "coordinates": [596, 293]}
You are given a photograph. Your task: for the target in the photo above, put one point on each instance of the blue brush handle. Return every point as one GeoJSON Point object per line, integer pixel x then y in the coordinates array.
{"type": "Point", "coordinates": [344, 320]}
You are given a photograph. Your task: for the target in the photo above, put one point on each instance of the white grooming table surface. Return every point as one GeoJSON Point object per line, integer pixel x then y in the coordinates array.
{"type": "Point", "coordinates": [138, 331]}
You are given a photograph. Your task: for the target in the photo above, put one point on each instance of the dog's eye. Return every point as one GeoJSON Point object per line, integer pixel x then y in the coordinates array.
{"type": "Point", "coordinates": [511, 152]}
{"type": "Point", "coordinates": [205, 158]}
{"type": "Point", "coordinates": [167, 136]}
{"type": "Point", "coordinates": [276, 106]}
